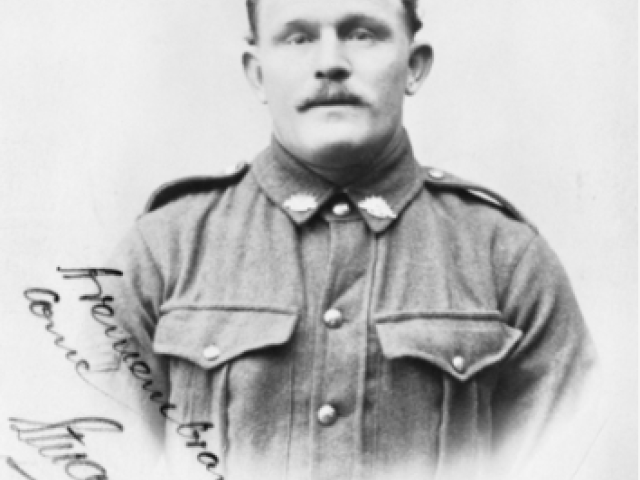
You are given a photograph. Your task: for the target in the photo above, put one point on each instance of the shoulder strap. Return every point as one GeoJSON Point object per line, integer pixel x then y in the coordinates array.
{"type": "Point", "coordinates": [439, 179]}
{"type": "Point", "coordinates": [173, 190]}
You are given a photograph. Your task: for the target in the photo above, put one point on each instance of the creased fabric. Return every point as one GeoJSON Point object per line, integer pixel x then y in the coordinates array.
{"type": "Point", "coordinates": [458, 338]}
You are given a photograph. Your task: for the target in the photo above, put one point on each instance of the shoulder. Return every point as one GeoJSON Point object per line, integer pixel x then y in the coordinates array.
{"type": "Point", "coordinates": [483, 225]}
{"type": "Point", "coordinates": [178, 212]}
{"type": "Point", "coordinates": [468, 198]}
{"type": "Point", "coordinates": [180, 189]}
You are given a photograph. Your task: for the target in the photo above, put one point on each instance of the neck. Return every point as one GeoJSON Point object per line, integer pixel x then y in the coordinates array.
{"type": "Point", "coordinates": [354, 166]}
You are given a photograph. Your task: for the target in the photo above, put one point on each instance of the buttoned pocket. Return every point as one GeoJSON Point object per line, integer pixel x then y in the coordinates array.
{"type": "Point", "coordinates": [228, 366]}
{"type": "Point", "coordinates": [460, 344]}
{"type": "Point", "coordinates": [220, 354]}
{"type": "Point", "coordinates": [211, 337]}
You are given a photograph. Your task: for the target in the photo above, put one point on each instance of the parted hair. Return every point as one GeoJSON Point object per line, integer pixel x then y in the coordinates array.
{"type": "Point", "coordinates": [411, 6]}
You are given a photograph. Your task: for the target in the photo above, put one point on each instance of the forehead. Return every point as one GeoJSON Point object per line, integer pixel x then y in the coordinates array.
{"type": "Point", "coordinates": [275, 13]}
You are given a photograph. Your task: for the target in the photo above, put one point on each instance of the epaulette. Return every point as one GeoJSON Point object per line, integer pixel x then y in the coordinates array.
{"type": "Point", "coordinates": [446, 181]}
{"type": "Point", "coordinates": [184, 186]}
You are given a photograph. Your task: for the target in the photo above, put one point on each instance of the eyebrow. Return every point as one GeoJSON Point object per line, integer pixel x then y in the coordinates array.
{"type": "Point", "coordinates": [359, 19]}
{"type": "Point", "coordinates": [343, 24]}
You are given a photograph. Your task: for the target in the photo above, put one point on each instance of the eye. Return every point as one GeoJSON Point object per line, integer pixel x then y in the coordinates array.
{"type": "Point", "coordinates": [297, 39]}
{"type": "Point", "coordinates": [361, 35]}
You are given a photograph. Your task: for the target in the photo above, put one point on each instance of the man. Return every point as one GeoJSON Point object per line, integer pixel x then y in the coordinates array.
{"type": "Point", "coordinates": [335, 310]}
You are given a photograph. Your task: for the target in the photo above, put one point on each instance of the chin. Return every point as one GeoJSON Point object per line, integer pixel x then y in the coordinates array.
{"type": "Point", "coordinates": [336, 140]}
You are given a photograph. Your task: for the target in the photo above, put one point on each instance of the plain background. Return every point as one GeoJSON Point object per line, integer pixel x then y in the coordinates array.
{"type": "Point", "coordinates": [102, 101]}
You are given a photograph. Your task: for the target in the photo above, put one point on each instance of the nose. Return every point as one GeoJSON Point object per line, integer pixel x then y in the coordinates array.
{"type": "Point", "coordinates": [333, 64]}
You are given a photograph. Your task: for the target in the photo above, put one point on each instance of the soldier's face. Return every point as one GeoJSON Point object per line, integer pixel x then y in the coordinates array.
{"type": "Point", "coordinates": [334, 73]}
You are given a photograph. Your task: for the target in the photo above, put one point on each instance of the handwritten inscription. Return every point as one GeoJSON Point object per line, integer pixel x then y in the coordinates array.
{"type": "Point", "coordinates": [102, 311]}
{"type": "Point", "coordinates": [12, 464]}
{"type": "Point", "coordinates": [59, 442]}
{"type": "Point", "coordinates": [41, 302]}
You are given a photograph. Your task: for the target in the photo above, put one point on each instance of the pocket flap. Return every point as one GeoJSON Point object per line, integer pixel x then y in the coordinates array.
{"type": "Point", "coordinates": [211, 337]}
{"type": "Point", "coordinates": [460, 347]}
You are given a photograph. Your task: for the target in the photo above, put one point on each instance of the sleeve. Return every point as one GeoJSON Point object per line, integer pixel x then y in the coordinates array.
{"type": "Point", "coordinates": [122, 363]}
{"type": "Point", "coordinates": [545, 379]}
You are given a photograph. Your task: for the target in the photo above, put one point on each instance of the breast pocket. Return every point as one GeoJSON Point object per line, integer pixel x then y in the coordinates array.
{"type": "Point", "coordinates": [208, 347]}
{"type": "Point", "coordinates": [229, 369]}
{"type": "Point", "coordinates": [437, 374]}
{"type": "Point", "coordinates": [460, 346]}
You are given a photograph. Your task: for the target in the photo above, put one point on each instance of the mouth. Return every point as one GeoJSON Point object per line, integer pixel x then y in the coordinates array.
{"type": "Point", "coordinates": [331, 102]}
{"type": "Point", "coordinates": [334, 104]}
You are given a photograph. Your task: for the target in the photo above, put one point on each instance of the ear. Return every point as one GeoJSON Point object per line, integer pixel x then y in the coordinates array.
{"type": "Point", "coordinates": [420, 61]}
{"type": "Point", "coordinates": [253, 72]}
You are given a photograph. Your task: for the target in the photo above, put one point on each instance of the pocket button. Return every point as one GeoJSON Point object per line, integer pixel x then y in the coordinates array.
{"type": "Point", "coordinates": [211, 352]}
{"type": "Point", "coordinates": [458, 363]}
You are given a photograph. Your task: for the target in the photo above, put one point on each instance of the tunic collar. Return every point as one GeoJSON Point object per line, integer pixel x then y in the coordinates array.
{"type": "Point", "coordinates": [381, 195]}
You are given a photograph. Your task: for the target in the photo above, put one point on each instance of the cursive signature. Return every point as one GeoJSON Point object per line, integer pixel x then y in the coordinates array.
{"type": "Point", "coordinates": [102, 311]}
{"type": "Point", "coordinates": [41, 302]}
{"type": "Point", "coordinates": [59, 442]}
{"type": "Point", "coordinates": [12, 464]}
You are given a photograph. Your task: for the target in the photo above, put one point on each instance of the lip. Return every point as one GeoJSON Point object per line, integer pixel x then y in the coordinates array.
{"type": "Point", "coordinates": [333, 105]}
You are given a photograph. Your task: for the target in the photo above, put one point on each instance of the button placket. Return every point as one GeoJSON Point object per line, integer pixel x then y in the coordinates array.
{"type": "Point", "coordinates": [341, 348]}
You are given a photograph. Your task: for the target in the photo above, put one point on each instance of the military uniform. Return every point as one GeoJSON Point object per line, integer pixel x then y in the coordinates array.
{"type": "Point", "coordinates": [403, 327]}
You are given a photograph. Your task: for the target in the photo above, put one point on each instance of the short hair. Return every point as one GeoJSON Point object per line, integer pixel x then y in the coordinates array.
{"type": "Point", "coordinates": [411, 7]}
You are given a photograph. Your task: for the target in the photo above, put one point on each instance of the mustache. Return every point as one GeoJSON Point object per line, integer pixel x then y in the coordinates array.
{"type": "Point", "coordinates": [330, 95]}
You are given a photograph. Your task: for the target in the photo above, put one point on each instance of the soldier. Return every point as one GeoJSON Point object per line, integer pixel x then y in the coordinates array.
{"type": "Point", "coordinates": [336, 310]}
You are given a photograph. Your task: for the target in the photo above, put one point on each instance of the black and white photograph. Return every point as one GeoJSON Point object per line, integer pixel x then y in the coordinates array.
{"type": "Point", "coordinates": [318, 240]}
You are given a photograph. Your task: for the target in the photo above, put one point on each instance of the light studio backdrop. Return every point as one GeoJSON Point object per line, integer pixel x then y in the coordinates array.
{"type": "Point", "coordinates": [101, 101]}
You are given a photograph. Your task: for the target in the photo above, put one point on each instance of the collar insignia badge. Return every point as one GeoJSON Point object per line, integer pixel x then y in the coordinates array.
{"type": "Point", "coordinates": [377, 207]}
{"type": "Point", "coordinates": [301, 202]}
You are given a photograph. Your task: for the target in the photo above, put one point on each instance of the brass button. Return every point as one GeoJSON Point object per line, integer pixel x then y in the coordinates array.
{"type": "Point", "coordinates": [211, 352]}
{"type": "Point", "coordinates": [436, 174]}
{"type": "Point", "coordinates": [341, 209]}
{"type": "Point", "coordinates": [327, 415]}
{"type": "Point", "coordinates": [333, 318]}
{"type": "Point", "coordinates": [458, 363]}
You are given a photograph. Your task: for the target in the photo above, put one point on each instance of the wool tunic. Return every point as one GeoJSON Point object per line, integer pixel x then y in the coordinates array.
{"type": "Point", "coordinates": [411, 325]}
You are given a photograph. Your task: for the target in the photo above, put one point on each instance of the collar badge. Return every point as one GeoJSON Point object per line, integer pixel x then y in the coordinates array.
{"type": "Point", "coordinates": [377, 207]}
{"type": "Point", "coordinates": [301, 202]}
